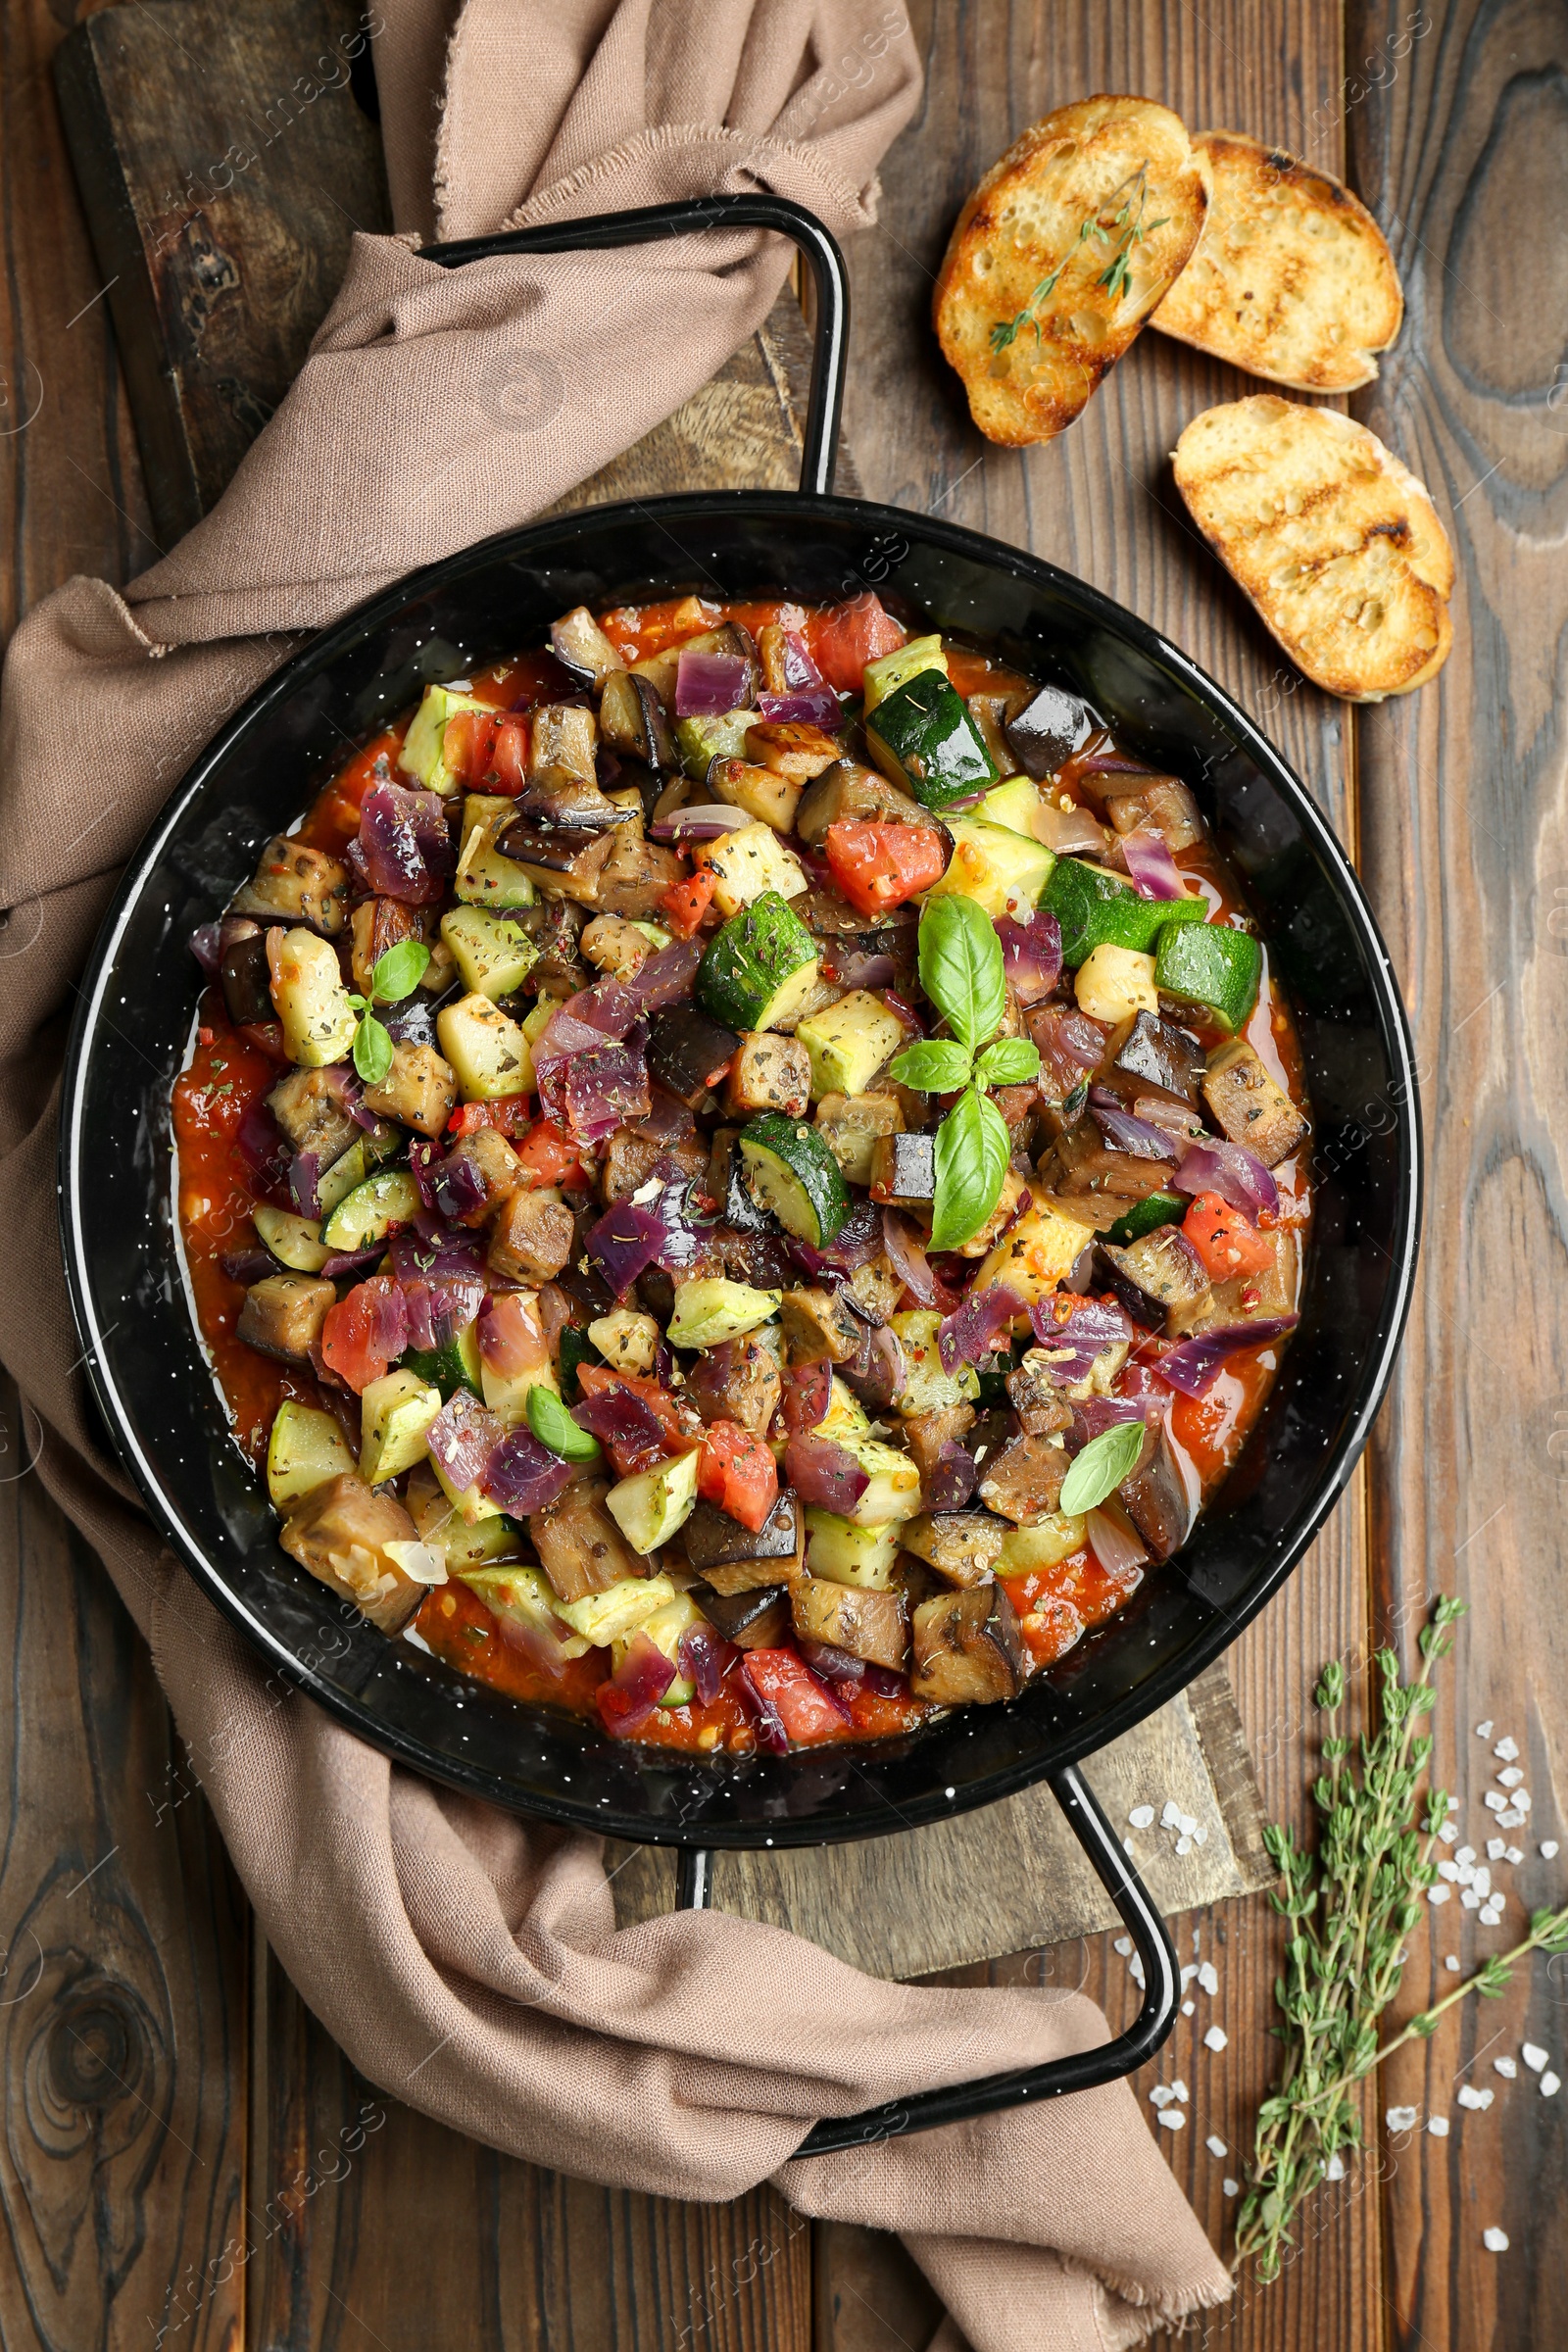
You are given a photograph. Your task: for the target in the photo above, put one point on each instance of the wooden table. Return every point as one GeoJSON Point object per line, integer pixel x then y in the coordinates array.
{"type": "Point", "coordinates": [166, 2095]}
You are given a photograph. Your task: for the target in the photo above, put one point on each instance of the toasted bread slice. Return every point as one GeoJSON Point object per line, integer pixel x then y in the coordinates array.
{"type": "Point", "coordinates": [1337, 542]}
{"type": "Point", "coordinates": [1059, 256]}
{"type": "Point", "coordinates": [1291, 279]}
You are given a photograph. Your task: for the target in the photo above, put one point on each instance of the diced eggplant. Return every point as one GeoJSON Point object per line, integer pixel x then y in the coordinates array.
{"type": "Point", "coordinates": [1023, 1480]}
{"type": "Point", "coordinates": [580, 1547]}
{"type": "Point", "coordinates": [876, 1371]}
{"type": "Point", "coordinates": [1085, 1161]}
{"type": "Point", "coordinates": [307, 1105]}
{"type": "Point", "coordinates": [716, 1543]}
{"type": "Point", "coordinates": [873, 1625]}
{"type": "Point", "coordinates": [283, 1313]}
{"type": "Point", "coordinates": [631, 1157]}
{"type": "Point", "coordinates": [420, 1089]}
{"type": "Point", "coordinates": [1035, 1396]}
{"type": "Point", "coordinates": [983, 1240]}
{"type": "Point", "coordinates": [927, 1433]}
{"type": "Point", "coordinates": [531, 1239]}
{"type": "Point", "coordinates": [1160, 1054]}
{"type": "Point", "coordinates": [818, 1328]}
{"type": "Point", "coordinates": [1046, 731]}
{"type": "Point", "coordinates": [793, 749]}
{"type": "Point", "coordinates": [991, 712]}
{"type": "Point", "coordinates": [738, 1381]}
{"type": "Point", "coordinates": [555, 926]}
{"type": "Point", "coordinates": [1248, 1107]}
{"type": "Point", "coordinates": [580, 645]}
{"type": "Point", "coordinates": [562, 742]}
{"type": "Point", "coordinates": [632, 720]}
{"type": "Point", "coordinates": [567, 863]}
{"type": "Point", "coordinates": [752, 1620]}
{"type": "Point", "coordinates": [765, 796]}
{"type": "Point", "coordinates": [968, 1648]}
{"type": "Point", "coordinates": [689, 1053]}
{"type": "Point", "coordinates": [848, 794]}
{"type": "Point", "coordinates": [340, 1532]}
{"type": "Point", "coordinates": [903, 1170]}
{"type": "Point", "coordinates": [491, 1168]}
{"type": "Point", "coordinates": [850, 1125]}
{"type": "Point", "coordinates": [613, 944]}
{"type": "Point", "coordinates": [1155, 1495]}
{"type": "Point", "coordinates": [876, 1289]}
{"type": "Point", "coordinates": [760, 1258]}
{"type": "Point", "coordinates": [376, 925]}
{"type": "Point", "coordinates": [1161, 806]}
{"type": "Point", "coordinates": [1159, 1280]}
{"type": "Point", "coordinates": [769, 1073]}
{"type": "Point", "coordinates": [293, 883]}
{"type": "Point", "coordinates": [634, 877]}
{"type": "Point", "coordinates": [245, 978]}
{"type": "Point", "coordinates": [962, 1547]}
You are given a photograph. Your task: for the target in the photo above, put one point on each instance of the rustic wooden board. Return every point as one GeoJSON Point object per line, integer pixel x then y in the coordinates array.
{"type": "Point", "coordinates": [1466, 846]}
{"type": "Point", "coordinates": [964, 1891]}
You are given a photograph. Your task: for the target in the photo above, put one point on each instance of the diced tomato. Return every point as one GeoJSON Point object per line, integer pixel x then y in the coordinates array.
{"type": "Point", "coordinates": [878, 866]}
{"type": "Point", "coordinates": [1049, 1625]}
{"type": "Point", "coordinates": [361, 1339]}
{"type": "Point", "coordinates": [737, 1472]}
{"type": "Point", "coordinates": [1225, 1240]}
{"type": "Point", "coordinates": [511, 1116]}
{"type": "Point", "coordinates": [686, 903]}
{"type": "Point", "coordinates": [335, 819]}
{"type": "Point", "coordinates": [805, 1708]}
{"type": "Point", "coordinates": [639, 1447]}
{"type": "Point", "coordinates": [268, 1037]}
{"type": "Point", "coordinates": [509, 760]}
{"type": "Point", "coordinates": [845, 639]}
{"type": "Point", "coordinates": [468, 742]}
{"type": "Point", "coordinates": [549, 1154]}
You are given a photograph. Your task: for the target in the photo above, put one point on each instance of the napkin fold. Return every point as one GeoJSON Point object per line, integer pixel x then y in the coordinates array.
{"type": "Point", "coordinates": [469, 1961]}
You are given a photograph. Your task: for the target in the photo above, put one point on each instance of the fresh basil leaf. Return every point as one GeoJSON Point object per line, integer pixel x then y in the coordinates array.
{"type": "Point", "coordinates": [1010, 1061]}
{"type": "Point", "coordinates": [937, 1067]}
{"type": "Point", "coordinates": [960, 967]}
{"type": "Point", "coordinates": [971, 1160]}
{"type": "Point", "coordinates": [372, 1049]}
{"type": "Point", "coordinates": [1099, 1469]}
{"type": "Point", "coordinates": [399, 971]}
{"type": "Point", "coordinates": [555, 1427]}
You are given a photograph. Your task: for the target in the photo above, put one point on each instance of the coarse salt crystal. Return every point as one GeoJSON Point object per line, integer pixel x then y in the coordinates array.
{"type": "Point", "coordinates": [1179, 2091]}
{"type": "Point", "coordinates": [1547, 1850]}
{"type": "Point", "coordinates": [1142, 1817]}
{"type": "Point", "coordinates": [1171, 1815]}
{"type": "Point", "coordinates": [1439, 1893]}
{"type": "Point", "coordinates": [1507, 2068]}
{"type": "Point", "coordinates": [1437, 2125]}
{"type": "Point", "coordinates": [1495, 1801]}
{"type": "Point", "coordinates": [1464, 1873]}
{"type": "Point", "coordinates": [1510, 1777]}
{"type": "Point", "coordinates": [1123, 1944]}
{"type": "Point", "coordinates": [1506, 1751]}
{"type": "Point", "coordinates": [1484, 1731]}
{"type": "Point", "coordinates": [1482, 1881]}
{"type": "Point", "coordinates": [1489, 1916]}
{"type": "Point", "coordinates": [1172, 2117]}
{"type": "Point", "coordinates": [1551, 2084]}
{"type": "Point", "coordinates": [1232, 2188]}
{"type": "Point", "coordinates": [1533, 2056]}
{"type": "Point", "coordinates": [1398, 2119]}
{"type": "Point", "coordinates": [1215, 2146]}
{"type": "Point", "coordinates": [1512, 1817]}
{"type": "Point", "coordinates": [1208, 1978]}
{"type": "Point", "coordinates": [1469, 2097]}
{"type": "Point", "coordinates": [1448, 1832]}
{"type": "Point", "coordinates": [1134, 1968]}
{"type": "Point", "coordinates": [1469, 1897]}
{"type": "Point", "coordinates": [1513, 1853]}
{"type": "Point", "coordinates": [1452, 1964]}
{"type": "Point", "coordinates": [1334, 2169]}
{"type": "Point", "coordinates": [1189, 1972]}
{"type": "Point", "coordinates": [1199, 1833]}
{"type": "Point", "coordinates": [1187, 1823]}
{"type": "Point", "coordinates": [1449, 1871]}
{"type": "Point", "coordinates": [1189, 2008]}
{"type": "Point", "coordinates": [1495, 1849]}
{"type": "Point", "coordinates": [1215, 2038]}
{"type": "Point", "coordinates": [1521, 1800]}
{"type": "Point", "coordinates": [1161, 2095]}
{"type": "Point", "coordinates": [1184, 1845]}
{"type": "Point", "coordinates": [1495, 2242]}
{"type": "Point", "coordinates": [1464, 1854]}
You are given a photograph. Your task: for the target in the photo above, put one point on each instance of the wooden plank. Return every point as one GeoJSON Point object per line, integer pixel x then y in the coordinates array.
{"type": "Point", "coordinates": [1463, 151]}
{"type": "Point", "coordinates": [964, 1891]}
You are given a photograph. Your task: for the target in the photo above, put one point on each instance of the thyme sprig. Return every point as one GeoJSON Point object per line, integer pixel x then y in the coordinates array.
{"type": "Point", "coordinates": [1350, 1906]}
{"type": "Point", "coordinates": [1116, 236]}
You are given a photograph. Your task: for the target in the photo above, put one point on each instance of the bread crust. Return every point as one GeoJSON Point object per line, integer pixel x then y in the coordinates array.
{"type": "Point", "coordinates": [1291, 279]}
{"type": "Point", "coordinates": [1334, 540]}
{"type": "Point", "coordinates": [1107, 186]}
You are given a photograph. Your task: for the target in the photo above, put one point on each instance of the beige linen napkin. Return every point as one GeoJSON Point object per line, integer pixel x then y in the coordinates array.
{"type": "Point", "coordinates": [467, 1961]}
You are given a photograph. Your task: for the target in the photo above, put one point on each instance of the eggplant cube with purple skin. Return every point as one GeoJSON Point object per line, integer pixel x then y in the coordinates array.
{"type": "Point", "coordinates": [294, 883]}
{"type": "Point", "coordinates": [1161, 1280]}
{"type": "Point", "coordinates": [1023, 1481]}
{"type": "Point", "coordinates": [870, 1624]}
{"type": "Point", "coordinates": [284, 1314]}
{"type": "Point", "coordinates": [308, 1107]}
{"type": "Point", "coordinates": [531, 1239]}
{"type": "Point", "coordinates": [341, 1532]}
{"type": "Point", "coordinates": [962, 1547]}
{"type": "Point", "coordinates": [968, 1648]}
{"type": "Point", "coordinates": [1248, 1109]}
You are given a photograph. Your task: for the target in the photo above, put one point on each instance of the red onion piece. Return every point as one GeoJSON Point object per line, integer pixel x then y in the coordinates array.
{"type": "Point", "coordinates": [1194, 1365]}
{"type": "Point", "coordinates": [1115, 1543]}
{"type": "Point", "coordinates": [564, 1035]}
{"type": "Point", "coordinates": [1092, 1416]}
{"type": "Point", "coordinates": [1139, 1137]}
{"type": "Point", "coordinates": [522, 1476]}
{"type": "Point", "coordinates": [458, 1191]}
{"type": "Point", "coordinates": [823, 1474]}
{"type": "Point", "coordinates": [707, 685]}
{"type": "Point", "coordinates": [807, 1389]}
{"type": "Point", "coordinates": [798, 667]}
{"type": "Point", "coordinates": [954, 1480]}
{"type": "Point", "coordinates": [352, 1261]}
{"type": "Point", "coordinates": [531, 1640]}
{"type": "Point", "coordinates": [1237, 1175]}
{"type": "Point", "coordinates": [1077, 1339]}
{"type": "Point", "coordinates": [424, 1160]}
{"type": "Point", "coordinates": [811, 705]}
{"type": "Point", "coordinates": [404, 844]}
{"type": "Point", "coordinates": [443, 1282]}
{"type": "Point", "coordinates": [259, 1140]}
{"type": "Point", "coordinates": [1070, 1044]}
{"type": "Point", "coordinates": [766, 1721]}
{"type": "Point", "coordinates": [906, 1249]}
{"type": "Point", "coordinates": [838, 1667]}
{"type": "Point", "coordinates": [1152, 868]}
{"type": "Point", "coordinates": [1112, 763]}
{"type": "Point", "coordinates": [623, 1244]}
{"type": "Point", "coordinates": [462, 1437]}
{"type": "Point", "coordinates": [705, 1657]}
{"type": "Point", "coordinates": [510, 1336]}
{"type": "Point", "coordinates": [876, 1371]}
{"type": "Point", "coordinates": [627, 1427]}
{"type": "Point", "coordinates": [303, 1181]}
{"type": "Point", "coordinates": [668, 1120]}
{"type": "Point", "coordinates": [1031, 955]}
{"type": "Point", "coordinates": [886, 1682]}
{"type": "Point", "coordinates": [247, 1265]}
{"type": "Point", "coordinates": [1071, 832]}
{"type": "Point", "coordinates": [204, 946]}
{"type": "Point", "coordinates": [856, 970]}
{"type": "Point", "coordinates": [594, 1094]}
{"type": "Point", "coordinates": [856, 1242]}
{"type": "Point", "coordinates": [977, 1327]}
{"type": "Point", "coordinates": [703, 823]}
{"type": "Point", "coordinates": [635, 1689]}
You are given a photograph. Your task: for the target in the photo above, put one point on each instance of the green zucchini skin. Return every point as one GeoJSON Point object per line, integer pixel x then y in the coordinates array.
{"type": "Point", "coordinates": [790, 1170]}
{"type": "Point", "coordinates": [1213, 970]}
{"type": "Point", "coordinates": [762, 963]}
{"type": "Point", "coordinates": [1160, 1208]}
{"type": "Point", "coordinates": [1096, 911]}
{"type": "Point", "coordinates": [926, 728]}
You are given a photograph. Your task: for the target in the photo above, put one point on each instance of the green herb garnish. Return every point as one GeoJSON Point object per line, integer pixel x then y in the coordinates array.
{"type": "Point", "coordinates": [397, 975]}
{"type": "Point", "coordinates": [961, 973]}
{"type": "Point", "coordinates": [553, 1425]}
{"type": "Point", "coordinates": [1125, 228]}
{"type": "Point", "coordinates": [1098, 1468]}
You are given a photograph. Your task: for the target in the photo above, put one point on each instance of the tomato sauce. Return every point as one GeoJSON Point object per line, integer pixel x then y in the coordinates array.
{"type": "Point", "coordinates": [230, 1069]}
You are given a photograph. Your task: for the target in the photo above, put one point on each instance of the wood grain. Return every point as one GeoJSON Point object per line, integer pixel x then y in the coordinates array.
{"type": "Point", "coordinates": [1467, 844]}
